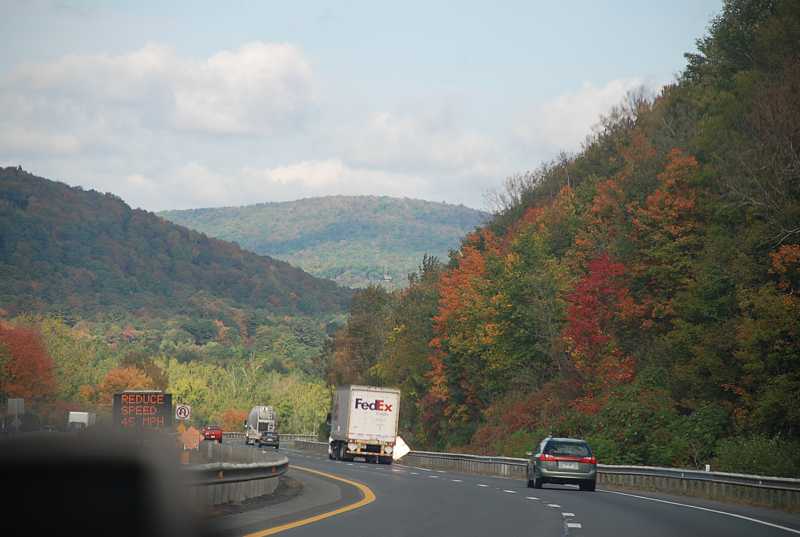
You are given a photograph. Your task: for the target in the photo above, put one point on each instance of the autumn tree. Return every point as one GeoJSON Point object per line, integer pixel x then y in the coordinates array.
{"type": "Point", "coordinates": [27, 368]}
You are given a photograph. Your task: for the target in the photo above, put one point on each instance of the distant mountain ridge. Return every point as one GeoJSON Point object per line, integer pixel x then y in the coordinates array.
{"type": "Point", "coordinates": [67, 249]}
{"type": "Point", "coordinates": [354, 240]}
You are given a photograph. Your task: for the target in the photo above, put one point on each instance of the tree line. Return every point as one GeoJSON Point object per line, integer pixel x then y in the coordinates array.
{"type": "Point", "coordinates": [642, 293]}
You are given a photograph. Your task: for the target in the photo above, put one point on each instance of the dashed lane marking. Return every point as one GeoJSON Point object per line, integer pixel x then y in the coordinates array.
{"type": "Point", "coordinates": [573, 525]}
{"type": "Point", "coordinates": [482, 485]}
{"type": "Point", "coordinates": [553, 505]}
{"type": "Point", "coordinates": [456, 481]}
{"type": "Point", "coordinates": [531, 498]}
{"type": "Point", "coordinates": [510, 491]}
{"type": "Point", "coordinates": [434, 476]}
{"type": "Point", "coordinates": [367, 497]}
{"type": "Point", "coordinates": [725, 513]}
{"type": "Point", "coordinates": [567, 515]}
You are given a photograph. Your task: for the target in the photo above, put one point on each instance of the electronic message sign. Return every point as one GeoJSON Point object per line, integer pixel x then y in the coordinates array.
{"type": "Point", "coordinates": [143, 409]}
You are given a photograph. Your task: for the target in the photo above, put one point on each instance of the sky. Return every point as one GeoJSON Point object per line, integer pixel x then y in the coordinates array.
{"type": "Point", "coordinates": [209, 104]}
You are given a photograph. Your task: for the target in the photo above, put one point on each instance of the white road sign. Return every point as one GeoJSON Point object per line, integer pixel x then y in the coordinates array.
{"type": "Point", "coordinates": [16, 406]}
{"type": "Point", "coordinates": [401, 449]}
{"type": "Point", "coordinates": [183, 412]}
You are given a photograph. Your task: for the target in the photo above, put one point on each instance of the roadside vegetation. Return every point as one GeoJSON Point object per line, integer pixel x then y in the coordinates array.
{"type": "Point", "coordinates": [643, 293]}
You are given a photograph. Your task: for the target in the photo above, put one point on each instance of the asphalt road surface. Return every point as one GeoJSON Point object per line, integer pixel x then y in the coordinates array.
{"type": "Point", "coordinates": [410, 501]}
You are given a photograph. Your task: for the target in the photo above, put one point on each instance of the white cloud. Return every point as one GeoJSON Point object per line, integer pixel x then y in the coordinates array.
{"type": "Point", "coordinates": [257, 88]}
{"type": "Point", "coordinates": [15, 139]}
{"type": "Point", "coordinates": [564, 122]}
{"type": "Point", "coordinates": [427, 139]}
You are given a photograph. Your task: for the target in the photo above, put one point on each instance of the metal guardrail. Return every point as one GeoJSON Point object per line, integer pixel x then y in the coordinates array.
{"type": "Point", "coordinates": [227, 473]}
{"type": "Point", "coordinates": [514, 466]}
{"type": "Point", "coordinates": [288, 437]}
{"type": "Point", "coordinates": [782, 483]}
{"type": "Point", "coordinates": [219, 473]}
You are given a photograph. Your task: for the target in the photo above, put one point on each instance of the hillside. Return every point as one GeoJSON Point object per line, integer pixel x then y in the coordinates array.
{"type": "Point", "coordinates": [350, 239]}
{"type": "Point", "coordinates": [83, 252]}
{"type": "Point", "coordinates": [643, 293]}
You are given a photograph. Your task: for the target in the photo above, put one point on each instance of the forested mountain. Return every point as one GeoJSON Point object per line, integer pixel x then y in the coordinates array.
{"type": "Point", "coordinates": [353, 240]}
{"type": "Point", "coordinates": [96, 298]}
{"type": "Point", "coordinates": [643, 293]}
{"type": "Point", "coordinates": [83, 252]}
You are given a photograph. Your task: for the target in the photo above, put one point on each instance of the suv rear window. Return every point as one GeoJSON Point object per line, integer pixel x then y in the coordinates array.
{"type": "Point", "coordinates": [569, 449]}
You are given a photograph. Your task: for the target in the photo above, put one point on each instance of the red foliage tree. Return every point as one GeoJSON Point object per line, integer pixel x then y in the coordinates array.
{"type": "Point", "coordinates": [27, 368]}
{"type": "Point", "coordinates": [600, 300]}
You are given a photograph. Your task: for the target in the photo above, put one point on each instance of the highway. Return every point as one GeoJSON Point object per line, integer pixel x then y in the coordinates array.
{"type": "Point", "coordinates": [410, 501]}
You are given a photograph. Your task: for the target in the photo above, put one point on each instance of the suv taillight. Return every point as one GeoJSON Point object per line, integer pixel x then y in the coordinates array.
{"type": "Point", "coordinates": [589, 460]}
{"type": "Point", "coordinates": [544, 457]}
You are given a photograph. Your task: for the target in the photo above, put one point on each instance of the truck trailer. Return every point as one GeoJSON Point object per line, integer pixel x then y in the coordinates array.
{"type": "Point", "coordinates": [78, 421]}
{"type": "Point", "coordinates": [364, 423]}
{"type": "Point", "coordinates": [261, 427]}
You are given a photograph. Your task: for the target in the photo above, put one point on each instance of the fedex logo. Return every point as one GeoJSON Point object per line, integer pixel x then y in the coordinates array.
{"type": "Point", "coordinates": [378, 404]}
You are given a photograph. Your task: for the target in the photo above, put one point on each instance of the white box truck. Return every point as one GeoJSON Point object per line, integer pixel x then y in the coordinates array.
{"type": "Point", "coordinates": [364, 423]}
{"type": "Point", "coordinates": [78, 421]}
{"type": "Point", "coordinates": [261, 427]}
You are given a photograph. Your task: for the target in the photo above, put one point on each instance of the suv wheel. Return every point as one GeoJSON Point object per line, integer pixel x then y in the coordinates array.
{"type": "Point", "coordinates": [537, 482]}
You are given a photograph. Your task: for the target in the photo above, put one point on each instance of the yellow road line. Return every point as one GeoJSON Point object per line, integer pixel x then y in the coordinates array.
{"type": "Point", "coordinates": [369, 497]}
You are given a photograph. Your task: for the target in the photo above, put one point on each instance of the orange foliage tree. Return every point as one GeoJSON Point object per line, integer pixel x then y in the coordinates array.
{"type": "Point", "coordinates": [117, 380]}
{"type": "Point", "coordinates": [232, 419]}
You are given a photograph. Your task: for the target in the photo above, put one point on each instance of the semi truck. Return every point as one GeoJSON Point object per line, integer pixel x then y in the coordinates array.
{"type": "Point", "coordinates": [261, 427]}
{"type": "Point", "coordinates": [363, 423]}
{"type": "Point", "coordinates": [78, 421]}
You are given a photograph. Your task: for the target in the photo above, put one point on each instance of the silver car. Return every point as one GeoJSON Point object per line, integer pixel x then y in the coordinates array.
{"type": "Point", "coordinates": [563, 461]}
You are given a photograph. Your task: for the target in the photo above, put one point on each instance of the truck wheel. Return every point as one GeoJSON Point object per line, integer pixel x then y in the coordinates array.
{"type": "Point", "coordinates": [342, 452]}
{"type": "Point", "coordinates": [385, 460]}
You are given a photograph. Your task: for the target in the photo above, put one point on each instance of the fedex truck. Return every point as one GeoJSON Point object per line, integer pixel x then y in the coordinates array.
{"type": "Point", "coordinates": [364, 423]}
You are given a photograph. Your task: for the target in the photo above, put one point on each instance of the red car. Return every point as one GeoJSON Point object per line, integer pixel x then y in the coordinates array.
{"type": "Point", "coordinates": [212, 432]}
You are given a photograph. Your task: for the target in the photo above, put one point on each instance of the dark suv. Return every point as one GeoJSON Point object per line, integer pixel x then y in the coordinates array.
{"type": "Point", "coordinates": [563, 461]}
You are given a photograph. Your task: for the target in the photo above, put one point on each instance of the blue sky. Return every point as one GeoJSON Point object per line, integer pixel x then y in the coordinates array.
{"type": "Point", "coordinates": [229, 103]}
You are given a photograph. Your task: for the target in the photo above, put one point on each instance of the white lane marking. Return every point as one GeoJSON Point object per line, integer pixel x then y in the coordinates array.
{"type": "Point", "coordinates": [553, 505]}
{"type": "Point", "coordinates": [423, 469]}
{"type": "Point", "coordinates": [531, 498]}
{"type": "Point", "coordinates": [734, 515]}
{"type": "Point", "coordinates": [414, 473]}
{"type": "Point", "coordinates": [456, 481]}
{"type": "Point", "coordinates": [510, 491]}
{"type": "Point", "coordinates": [349, 464]}
{"type": "Point", "coordinates": [482, 485]}
{"type": "Point", "coordinates": [573, 525]}
{"type": "Point", "coordinates": [566, 515]}
{"type": "Point", "coordinates": [440, 471]}
{"type": "Point", "coordinates": [434, 476]}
